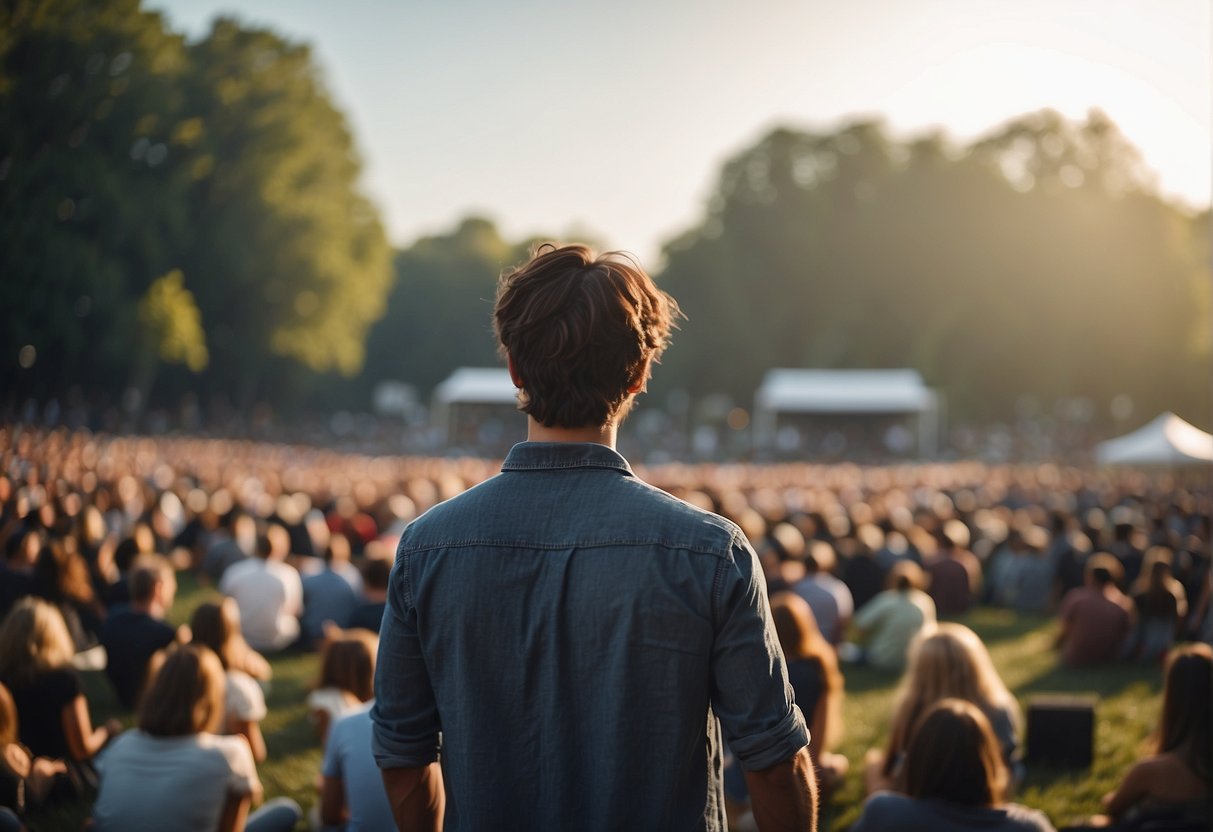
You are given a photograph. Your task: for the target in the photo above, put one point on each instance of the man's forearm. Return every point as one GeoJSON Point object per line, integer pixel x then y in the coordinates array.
{"type": "Point", "coordinates": [784, 797]}
{"type": "Point", "coordinates": [416, 797]}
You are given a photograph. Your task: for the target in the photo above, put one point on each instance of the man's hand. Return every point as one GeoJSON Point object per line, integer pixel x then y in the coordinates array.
{"type": "Point", "coordinates": [416, 796]}
{"type": "Point", "coordinates": [784, 797]}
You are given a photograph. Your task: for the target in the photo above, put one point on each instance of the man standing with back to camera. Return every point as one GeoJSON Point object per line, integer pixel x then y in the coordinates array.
{"type": "Point", "coordinates": [564, 637]}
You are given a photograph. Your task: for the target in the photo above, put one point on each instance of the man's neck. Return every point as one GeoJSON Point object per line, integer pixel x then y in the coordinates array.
{"type": "Point", "coordinates": [604, 435]}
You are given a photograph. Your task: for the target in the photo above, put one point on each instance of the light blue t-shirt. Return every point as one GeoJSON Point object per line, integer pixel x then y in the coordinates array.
{"type": "Point", "coordinates": [348, 756]}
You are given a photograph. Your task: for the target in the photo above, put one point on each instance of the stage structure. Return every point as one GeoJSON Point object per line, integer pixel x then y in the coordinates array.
{"type": "Point", "coordinates": [475, 403]}
{"type": "Point", "coordinates": [882, 398]}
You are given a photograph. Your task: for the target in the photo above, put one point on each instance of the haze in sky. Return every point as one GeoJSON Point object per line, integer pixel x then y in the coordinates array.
{"type": "Point", "coordinates": [611, 118]}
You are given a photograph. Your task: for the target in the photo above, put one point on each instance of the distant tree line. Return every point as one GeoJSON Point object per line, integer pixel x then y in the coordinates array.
{"type": "Point", "coordinates": [184, 216]}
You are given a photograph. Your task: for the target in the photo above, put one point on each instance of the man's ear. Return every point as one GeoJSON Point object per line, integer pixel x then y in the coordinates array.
{"type": "Point", "coordinates": [514, 377]}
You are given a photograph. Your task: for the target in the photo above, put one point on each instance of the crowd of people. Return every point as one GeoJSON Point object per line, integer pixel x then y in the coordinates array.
{"type": "Point", "coordinates": [863, 565]}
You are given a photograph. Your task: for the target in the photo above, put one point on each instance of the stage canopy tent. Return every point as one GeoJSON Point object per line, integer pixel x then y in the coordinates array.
{"type": "Point", "coordinates": [1168, 440]}
{"type": "Point", "coordinates": [476, 385]}
{"type": "Point", "coordinates": [467, 391]}
{"type": "Point", "coordinates": [842, 392]}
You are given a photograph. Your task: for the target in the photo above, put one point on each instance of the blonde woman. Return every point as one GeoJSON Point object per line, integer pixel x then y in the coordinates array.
{"type": "Point", "coordinates": [945, 661]}
{"type": "Point", "coordinates": [173, 771]}
{"type": "Point", "coordinates": [35, 664]}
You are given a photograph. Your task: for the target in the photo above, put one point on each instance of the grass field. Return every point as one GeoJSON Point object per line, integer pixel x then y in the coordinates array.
{"type": "Point", "coordinates": [1129, 699]}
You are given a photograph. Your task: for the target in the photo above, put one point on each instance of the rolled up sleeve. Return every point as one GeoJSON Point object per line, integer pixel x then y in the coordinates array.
{"type": "Point", "coordinates": [750, 691]}
{"type": "Point", "coordinates": [407, 728]}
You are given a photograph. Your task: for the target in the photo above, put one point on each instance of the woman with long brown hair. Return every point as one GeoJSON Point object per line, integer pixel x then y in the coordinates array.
{"type": "Point", "coordinates": [954, 780]}
{"type": "Point", "coordinates": [1174, 782]}
{"type": "Point", "coordinates": [217, 626]}
{"type": "Point", "coordinates": [815, 678]}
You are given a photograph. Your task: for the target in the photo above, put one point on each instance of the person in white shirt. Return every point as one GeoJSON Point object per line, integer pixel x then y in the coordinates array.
{"type": "Point", "coordinates": [172, 772]}
{"type": "Point", "coordinates": [268, 592]}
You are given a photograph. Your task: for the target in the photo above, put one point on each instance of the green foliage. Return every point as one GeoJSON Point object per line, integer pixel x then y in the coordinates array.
{"type": "Point", "coordinates": [1036, 261]}
{"type": "Point", "coordinates": [303, 264]}
{"type": "Point", "coordinates": [126, 153]}
{"type": "Point", "coordinates": [439, 314]}
{"type": "Point", "coordinates": [90, 178]}
{"type": "Point", "coordinates": [171, 323]}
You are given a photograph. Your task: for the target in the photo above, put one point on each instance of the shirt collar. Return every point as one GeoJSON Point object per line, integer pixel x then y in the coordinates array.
{"type": "Point", "coordinates": [541, 456]}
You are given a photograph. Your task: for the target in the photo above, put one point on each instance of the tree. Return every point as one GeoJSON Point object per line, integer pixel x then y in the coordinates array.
{"type": "Point", "coordinates": [1037, 261]}
{"type": "Point", "coordinates": [289, 260]}
{"type": "Point", "coordinates": [90, 176]}
{"type": "Point", "coordinates": [439, 314]}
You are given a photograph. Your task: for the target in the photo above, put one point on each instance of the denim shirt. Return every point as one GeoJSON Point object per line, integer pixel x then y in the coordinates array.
{"type": "Point", "coordinates": [569, 641]}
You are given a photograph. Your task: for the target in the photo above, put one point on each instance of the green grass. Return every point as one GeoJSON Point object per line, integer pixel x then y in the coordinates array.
{"type": "Point", "coordinates": [1129, 700]}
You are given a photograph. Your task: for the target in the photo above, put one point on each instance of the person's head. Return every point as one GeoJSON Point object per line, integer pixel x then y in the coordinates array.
{"type": "Point", "coordinates": [949, 660]}
{"type": "Point", "coordinates": [217, 626]}
{"type": "Point", "coordinates": [820, 557]}
{"type": "Point", "coordinates": [152, 582]}
{"type": "Point", "coordinates": [185, 695]}
{"type": "Point", "coordinates": [904, 576]}
{"type": "Point", "coordinates": [33, 639]}
{"type": "Point", "coordinates": [8, 718]}
{"type": "Point", "coordinates": [1185, 727]}
{"type": "Point", "coordinates": [945, 661]}
{"type": "Point", "coordinates": [1103, 570]}
{"type": "Point", "coordinates": [337, 552]}
{"type": "Point", "coordinates": [796, 626]}
{"type": "Point", "coordinates": [61, 573]}
{"type": "Point", "coordinates": [347, 663]}
{"type": "Point", "coordinates": [376, 574]}
{"type": "Point", "coordinates": [580, 332]}
{"type": "Point", "coordinates": [954, 757]}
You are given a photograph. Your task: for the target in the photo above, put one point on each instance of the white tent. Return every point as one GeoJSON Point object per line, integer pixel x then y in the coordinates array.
{"type": "Point", "coordinates": [470, 386]}
{"type": "Point", "coordinates": [1168, 440]}
{"type": "Point", "coordinates": [846, 392]}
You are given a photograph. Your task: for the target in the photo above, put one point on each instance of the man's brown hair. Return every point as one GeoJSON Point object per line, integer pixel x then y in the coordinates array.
{"type": "Point", "coordinates": [581, 331]}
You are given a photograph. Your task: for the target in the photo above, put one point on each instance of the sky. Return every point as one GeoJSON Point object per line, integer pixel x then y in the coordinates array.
{"type": "Point", "coordinates": [612, 118]}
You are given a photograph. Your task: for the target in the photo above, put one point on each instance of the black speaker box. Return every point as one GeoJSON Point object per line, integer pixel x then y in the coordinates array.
{"type": "Point", "coordinates": [1061, 731]}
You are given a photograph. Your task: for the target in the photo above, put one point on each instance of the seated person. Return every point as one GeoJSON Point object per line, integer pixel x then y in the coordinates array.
{"type": "Point", "coordinates": [268, 592]}
{"type": "Point", "coordinates": [352, 796]}
{"type": "Point", "coordinates": [954, 780]}
{"type": "Point", "coordinates": [369, 614]}
{"type": "Point", "coordinates": [36, 652]}
{"type": "Point", "coordinates": [947, 661]}
{"type": "Point", "coordinates": [347, 678]}
{"type": "Point", "coordinates": [217, 626]}
{"type": "Point", "coordinates": [25, 780]}
{"type": "Point", "coordinates": [173, 771]}
{"type": "Point", "coordinates": [327, 596]}
{"type": "Point", "coordinates": [1096, 618]}
{"type": "Point", "coordinates": [1173, 784]}
{"type": "Point", "coordinates": [131, 636]}
{"type": "Point", "coordinates": [892, 619]}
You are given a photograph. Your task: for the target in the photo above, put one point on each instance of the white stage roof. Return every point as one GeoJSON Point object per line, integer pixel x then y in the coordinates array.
{"type": "Point", "coordinates": [844, 391]}
{"type": "Point", "coordinates": [488, 385]}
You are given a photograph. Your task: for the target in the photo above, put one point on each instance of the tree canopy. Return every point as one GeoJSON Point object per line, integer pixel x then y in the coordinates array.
{"type": "Point", "coordinates": [127, 153]}
{"type": "Point", "coordinates": [1038, 261]}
